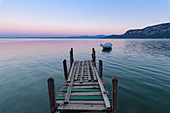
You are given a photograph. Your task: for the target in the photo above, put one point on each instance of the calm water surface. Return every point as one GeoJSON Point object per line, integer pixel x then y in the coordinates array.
{"type": "Point", "coordinates": [141, 66]}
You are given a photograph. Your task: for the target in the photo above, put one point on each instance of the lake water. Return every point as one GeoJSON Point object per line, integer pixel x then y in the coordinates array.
{"type": "Point", "coordinates": [141, 66]}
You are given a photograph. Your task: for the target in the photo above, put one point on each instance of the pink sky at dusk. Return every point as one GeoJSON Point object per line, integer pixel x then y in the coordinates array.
{"type": "Point", "coordinates": [73, 18]}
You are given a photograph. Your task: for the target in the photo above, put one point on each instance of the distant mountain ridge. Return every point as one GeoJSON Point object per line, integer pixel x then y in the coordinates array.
{"type": "Point", "coordinates": [155, 31]}
{"type": "Point", "coordinates": [64, 37]}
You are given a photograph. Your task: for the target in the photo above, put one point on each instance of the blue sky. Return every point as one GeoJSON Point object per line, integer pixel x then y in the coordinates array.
{"type": "Point", "coordinates": [79, 17]}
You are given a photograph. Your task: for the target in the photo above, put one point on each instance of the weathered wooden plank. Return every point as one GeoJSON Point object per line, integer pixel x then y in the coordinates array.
{"type": "Point", "coordinates": [70, 74]}
{"type": "Point", "coordinates": [82, 71]}
{"type": "Point", "coordinates": [70, 87]}
{"type": "Point", "coordinates": [80, 102]}
{"type": "Point", "coordinates": [51, 91]}
{"type": "Point", "coordinates": [81, 107]}
{"type": "Point", "coordinates": [84, 83]}
{"type": "Point", "coordinates": [87, 93]}
{"type": "Point", "coordinates": [88, 71]}
{"type": "Point", "coordinates": [81, 90]}
{"type": "Point", "coordinates": [77, 73]}
{"type": "Point", "coordinates": [93, 72]}
{"type": "Point", "coordinates": [106, 100]}
{"type": "Point", "coordinates": [80, 93]}
{"type": "Point", "coordinates": [83, 87]}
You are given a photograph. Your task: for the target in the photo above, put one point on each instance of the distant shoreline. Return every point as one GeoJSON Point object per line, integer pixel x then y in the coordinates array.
{"type": "Point", "coordinates": [73, 38]}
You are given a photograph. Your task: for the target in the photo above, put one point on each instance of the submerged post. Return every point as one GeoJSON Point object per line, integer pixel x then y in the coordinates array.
{"type": "Point", "coordinates": [100, 68]}
{"type": "Point", "coordinates": [51, 91]}
{"type": "Point", "coordinates": [65, 69]}
{"type": "Point", "coordinates": [71, 57]}
{"type": "Point", "coordinates": [114, 95]}
{"type": "Point", "coordinates": [94, 56]}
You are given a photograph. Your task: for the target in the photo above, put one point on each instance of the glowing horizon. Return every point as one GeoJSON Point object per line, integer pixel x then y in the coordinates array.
{"type": "Point", "coordinates": [74, 18]}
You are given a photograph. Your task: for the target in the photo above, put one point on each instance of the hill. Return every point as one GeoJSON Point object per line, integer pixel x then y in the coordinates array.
{"type": "Point", "coordinates": [156, 31]}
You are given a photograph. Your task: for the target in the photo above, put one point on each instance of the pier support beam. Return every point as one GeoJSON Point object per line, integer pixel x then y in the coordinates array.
{"type": "Point", "coordinates": [71, 58]}
{"type": "Point", "coordinates": [94, 56]}
{"type": "Point", "coordinates": [114, 95]}
{"type": "Point", "coordinates": [65, 69]}
{"type": "Point", "coordinates": [100, 68]}
{"type": "Point", "coordinates": [51, 91]}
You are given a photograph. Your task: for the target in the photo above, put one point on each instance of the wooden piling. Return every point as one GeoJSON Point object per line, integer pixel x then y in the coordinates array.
{"type": "Point", "coordinates": [83, 90]}
{"type": "Point", "coordinates": [51, 91]}
{"type": "Point", "coordinates": [93, 52]}
{"type": "Point", "coordinates": [94, 56]}
{"type": "Point", "coordinates": [65, 69]}
{"type": "Point", "coordinates": [71, 57]}
{"type": "Point", "coordinates": [114, 95]}
{"type": "Point", "coordinates": [100, 68]}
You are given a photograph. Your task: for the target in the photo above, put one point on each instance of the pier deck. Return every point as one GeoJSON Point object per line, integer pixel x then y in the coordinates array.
{"type": "Point", "coordinates": [83, 89]}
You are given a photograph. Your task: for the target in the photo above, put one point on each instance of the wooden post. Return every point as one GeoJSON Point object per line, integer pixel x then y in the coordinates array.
{"type": "Point", "coordinates": [93, 52]}
{"type": "Point", "coordinates": [71, 57]}
{"type": "Point", "coordinates": [65, 69]}
{"type": "Point", "coordinates": [94, 56]}
{"type": "Point", "coordinates": [51, 91]}
{"type": "Point", "coordinates": [114, 95]}
{"type": "Point", "coordinates": [100, 68]}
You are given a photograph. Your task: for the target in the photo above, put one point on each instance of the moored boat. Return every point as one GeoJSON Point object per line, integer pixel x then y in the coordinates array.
{"type": "Point", "coordinates": [106, 45]}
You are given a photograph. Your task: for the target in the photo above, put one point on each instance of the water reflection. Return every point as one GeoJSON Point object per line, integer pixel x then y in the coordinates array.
{"type": "Point", "coordinates": [141, 66]}
{"type": "Point", "coordinates": [153, 48]}
{"type": "Point", "coordinates": [107, 50]}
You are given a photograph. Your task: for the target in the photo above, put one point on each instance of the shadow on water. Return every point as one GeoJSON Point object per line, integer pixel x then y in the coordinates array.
{"type": "Point", "coordinates": [107, 50]}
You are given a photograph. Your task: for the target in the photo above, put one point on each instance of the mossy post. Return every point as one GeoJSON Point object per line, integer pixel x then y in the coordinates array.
{"type": "Point", "coordinates": [114, 95]}
{"type": "Point", "coordinates": [71, 58]}
{"type": "Point", "coordinates": [51, 92]}
{"type": "Point", "coordinates": [65, 69]}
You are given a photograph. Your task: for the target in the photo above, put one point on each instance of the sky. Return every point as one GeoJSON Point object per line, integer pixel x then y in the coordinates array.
{"type": "Point", "coordinates": [27, 18]}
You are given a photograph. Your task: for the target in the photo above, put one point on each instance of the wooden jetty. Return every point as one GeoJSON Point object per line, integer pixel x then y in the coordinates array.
{"type": "Point", "coordinates": [83, 89]}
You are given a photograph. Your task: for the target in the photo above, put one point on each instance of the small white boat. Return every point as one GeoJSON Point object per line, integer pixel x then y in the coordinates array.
{"type": "Point", "coordinates": [106, 45]}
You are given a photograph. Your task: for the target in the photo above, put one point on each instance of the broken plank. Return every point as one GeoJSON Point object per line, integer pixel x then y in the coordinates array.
{"type": "Point", "coordinates": [106, 100]}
